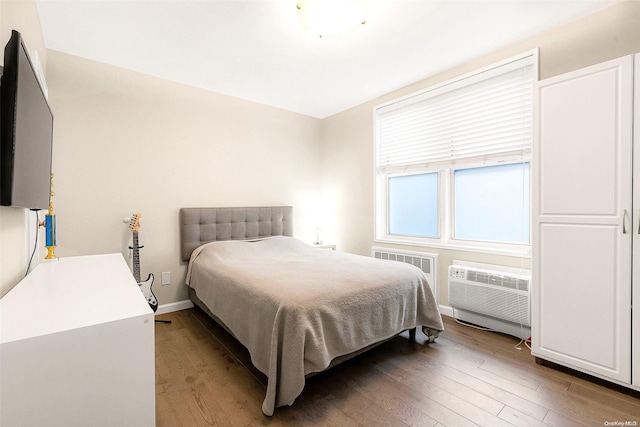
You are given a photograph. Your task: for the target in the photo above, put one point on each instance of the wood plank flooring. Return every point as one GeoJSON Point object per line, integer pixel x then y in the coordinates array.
{"type": "Point", "coordinates": [467, 377]}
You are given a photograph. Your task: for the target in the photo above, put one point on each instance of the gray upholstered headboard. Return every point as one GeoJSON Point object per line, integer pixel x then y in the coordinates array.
{"type": "Point", "coordinates": [203, 225]}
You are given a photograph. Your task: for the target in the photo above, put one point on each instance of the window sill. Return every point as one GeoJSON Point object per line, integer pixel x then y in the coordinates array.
{"type": "Point", "coordinates": [523, 251]}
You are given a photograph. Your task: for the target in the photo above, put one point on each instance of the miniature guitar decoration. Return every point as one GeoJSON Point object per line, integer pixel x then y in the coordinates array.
{"type": "Point", "coordinates": [145, 286]}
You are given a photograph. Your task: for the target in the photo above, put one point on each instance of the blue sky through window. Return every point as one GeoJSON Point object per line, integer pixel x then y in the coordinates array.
{"type": "Point", "coordinates": [413, 205]}
{"type": "Point", "coordinates": [492, 203]}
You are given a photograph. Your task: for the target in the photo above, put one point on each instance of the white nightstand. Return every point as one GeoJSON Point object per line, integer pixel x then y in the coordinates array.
{"type": "Point", "coordinates": [324, 246]}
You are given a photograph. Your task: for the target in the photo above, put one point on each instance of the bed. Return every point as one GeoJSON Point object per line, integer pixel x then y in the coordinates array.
{"type": "Point", "coordinates": [298, 309]}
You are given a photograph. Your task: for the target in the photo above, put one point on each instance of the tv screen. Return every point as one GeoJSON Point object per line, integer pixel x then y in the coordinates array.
{"type": "Point", "coordinates": [26, 132]}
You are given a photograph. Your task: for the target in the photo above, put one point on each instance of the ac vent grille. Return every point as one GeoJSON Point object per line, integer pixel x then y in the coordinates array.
{"type": "Point", "coordinates": [492, 293]}
{"type": "Point", "coordinates": [498, 280]}
{"type": "Point", "coordinates": [427, 262]}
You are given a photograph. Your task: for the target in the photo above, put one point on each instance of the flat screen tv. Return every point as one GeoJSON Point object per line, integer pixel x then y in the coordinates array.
{"type": "Point", "coordinates": [26, 132]}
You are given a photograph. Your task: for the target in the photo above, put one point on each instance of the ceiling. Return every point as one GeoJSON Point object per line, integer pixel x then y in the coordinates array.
{"type": "Point", "coordinates": [257, 50]}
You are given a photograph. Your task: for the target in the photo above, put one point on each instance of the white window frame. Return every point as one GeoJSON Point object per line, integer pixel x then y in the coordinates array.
{"type": "Point", "coordinates": [445, 172]}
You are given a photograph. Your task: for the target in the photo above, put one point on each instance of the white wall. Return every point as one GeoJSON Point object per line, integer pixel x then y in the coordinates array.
{"type": "Point", "coordinates": [23, 17]}
{"type": "Point", "coordinates": [127, 142]}
{"type": "Point", "coordinates": [348, 172]}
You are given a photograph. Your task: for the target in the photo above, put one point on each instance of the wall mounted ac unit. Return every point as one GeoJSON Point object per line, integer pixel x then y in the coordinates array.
{"type": "Point", "coordinates": [491, 296]}
{"type": "Point", "coordinates": [427, 262]}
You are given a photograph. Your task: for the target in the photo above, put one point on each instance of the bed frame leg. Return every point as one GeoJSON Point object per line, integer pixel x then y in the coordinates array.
{"type": "Point", "coordinates": [412, 334]}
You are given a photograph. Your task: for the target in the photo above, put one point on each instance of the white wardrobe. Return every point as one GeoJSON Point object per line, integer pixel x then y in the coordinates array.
{"type": "Point", "coordinates": [586, 221]}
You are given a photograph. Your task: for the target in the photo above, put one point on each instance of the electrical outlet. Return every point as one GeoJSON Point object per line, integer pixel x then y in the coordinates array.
{"type": "Point", "coordinates": [166, 278]}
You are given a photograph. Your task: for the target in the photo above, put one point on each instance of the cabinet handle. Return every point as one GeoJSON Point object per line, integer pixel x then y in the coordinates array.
{"type": "Point", "coordinates": [638, 221]}
{"type": "Point", "coordinates": [624, 222]}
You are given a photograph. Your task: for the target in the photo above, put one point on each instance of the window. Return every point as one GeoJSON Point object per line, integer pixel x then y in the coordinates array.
{"type": "Point", "coordinates": [413, 205]}
{"type": "Point", "coordinates": [452, 161]}
{"type": "Point", "coordinates": [491, 204]}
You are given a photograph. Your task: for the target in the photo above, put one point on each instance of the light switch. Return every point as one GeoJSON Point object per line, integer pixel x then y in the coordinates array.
{"type": "Point", "coordinates": [166, 278]}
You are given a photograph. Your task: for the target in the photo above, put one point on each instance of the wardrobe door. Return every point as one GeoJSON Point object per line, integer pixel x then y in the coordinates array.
{"type": "Point", "coordinates": [582, 207]}
{"type": "Point", "coordinates": [635, 351]}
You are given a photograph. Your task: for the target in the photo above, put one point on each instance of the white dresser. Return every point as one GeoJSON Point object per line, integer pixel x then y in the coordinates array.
{"type": "Point", "coordinates": [77, 347]}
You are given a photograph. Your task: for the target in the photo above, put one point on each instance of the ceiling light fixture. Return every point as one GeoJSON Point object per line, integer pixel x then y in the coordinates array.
{"type": "Point", "coordinates": [331, 17]}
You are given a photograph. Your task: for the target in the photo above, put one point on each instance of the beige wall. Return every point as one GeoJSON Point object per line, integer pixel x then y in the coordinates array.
{"type": "Point", "coordinates": [127, 142]}
{"type": "Point", "coordinates": [348, 171]}
{"type": "Point", "coordinates": [23, 17]}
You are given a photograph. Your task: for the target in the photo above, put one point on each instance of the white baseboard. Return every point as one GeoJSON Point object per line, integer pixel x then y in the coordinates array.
{"type": "Point", "coordinates": [446, 310]}
{"type": "Point", "coordinates": [174, 306]}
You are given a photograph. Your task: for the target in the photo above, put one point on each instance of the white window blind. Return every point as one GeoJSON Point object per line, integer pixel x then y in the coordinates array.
{"type": "Point", "coordinates": [486, 114]}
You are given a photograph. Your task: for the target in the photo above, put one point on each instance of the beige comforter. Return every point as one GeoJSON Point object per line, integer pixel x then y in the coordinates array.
{"type": "Point", "coordinates": [296, 307]}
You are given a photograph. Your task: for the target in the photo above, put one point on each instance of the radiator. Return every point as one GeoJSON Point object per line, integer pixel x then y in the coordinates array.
{"type": "Point", "coordinates": [427, 262]}
{"type": "Point", "coordinates": [491, 296]}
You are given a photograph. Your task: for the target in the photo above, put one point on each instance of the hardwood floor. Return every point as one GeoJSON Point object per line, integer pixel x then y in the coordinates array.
{"type": "Point", "coordinates": [467, 377]}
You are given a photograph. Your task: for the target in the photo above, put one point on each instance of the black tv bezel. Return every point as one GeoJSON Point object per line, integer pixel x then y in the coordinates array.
{"type": "Point", "coordinates": [8, 113]}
